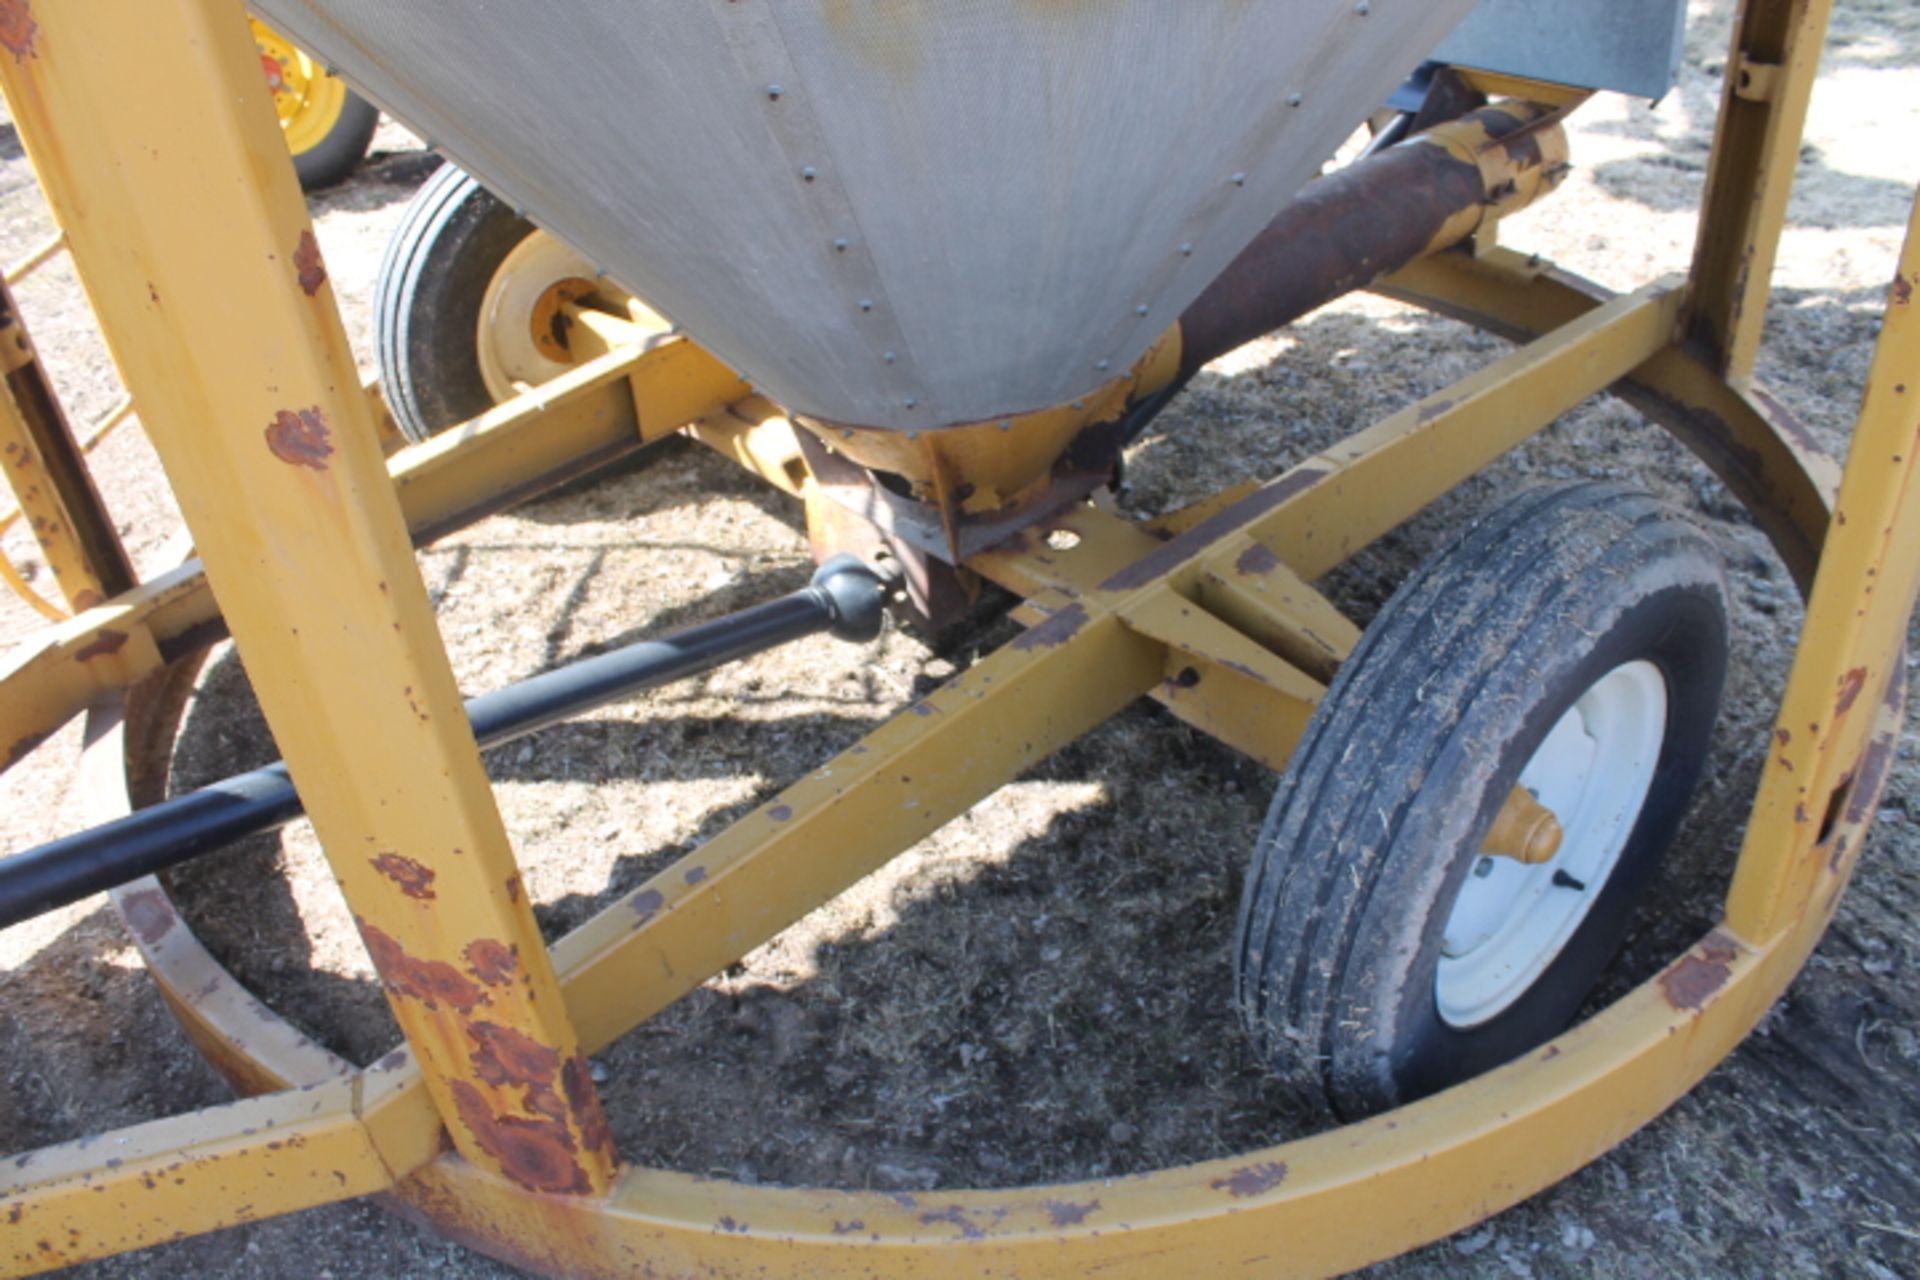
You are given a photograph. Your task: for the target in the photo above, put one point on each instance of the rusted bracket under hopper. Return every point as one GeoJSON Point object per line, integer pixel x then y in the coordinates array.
{"type": "Point", "coordinates": [955, 491]}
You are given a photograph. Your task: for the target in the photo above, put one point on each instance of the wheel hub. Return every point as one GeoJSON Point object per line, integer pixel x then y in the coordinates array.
{"type": "Point", "coordinates": [1512, 918]}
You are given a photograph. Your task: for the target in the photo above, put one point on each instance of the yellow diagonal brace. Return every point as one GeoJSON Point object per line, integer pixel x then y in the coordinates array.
{"type": "Point", "coordinates": [1853, 644]}
{"type": "Point", "coordinates": [192, 236]}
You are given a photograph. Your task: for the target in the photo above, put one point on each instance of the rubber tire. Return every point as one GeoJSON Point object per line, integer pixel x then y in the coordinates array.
{"type": "Point", "coordinates": [1421, 737]}
{"type": "Point", "coordinates": [334, 158]}
{"type": "Point", "coordinates": [427, 298]}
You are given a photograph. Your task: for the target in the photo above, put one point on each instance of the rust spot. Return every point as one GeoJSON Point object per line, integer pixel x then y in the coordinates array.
{"type": "Point", "coordinates": [577, 1080]}
{"type": "Point", "coordinates": [1428, 412]}
{"type": "Point", "coordinates": [148, 914]}
{"type": "Point", "coordinates": [780, 812]}
{"type": "Point", "coordinates": [505, 1057]}
{"type": "Point", "coordinates": [432, 982]}
{"type": "Point", "coordinates": [107, 642]}
{"type": "Point", "coordinates": [1850, 686]}
{"type": "Point", "coordinates": [414, 878]}
{"type": "Point", "coordinates": [1055, 631]}
{"type": "Point", "coordinates": [15, 1213]}
{"type": "Point", "coordinates": [492, 961]}
{"type": "Point", "coordinates": [1902, 290]}
{"type": "Point", "coordinates": [1253, 1180]}
{"type": "Point", "coordinates": [1784, 735]}
{"type": "Point", "coordinates": [955, 1216]}
{"type": "Point", "coordinates": [1691, 980]}
{"type": "Point", "coordinates": [306, 260]}
{"type": "Point", "coordinates": [695, 875]}
{"type": "Point", "coordinates": [647, 903]}
{"type": "Point", "coordinates": [18, 29]}
{"type": "Point", "coordinates": [301, 439]}
{"type": "Point", "coordinates": [513, 887]}
{"type": "Point", "coordinates": [1255, 561]}
{"type": "Point", "coordinates": [848, 1228]}
{"type": "Point", "coordinates": [1800, 814]}
{"type": "Point", "coordinates": [727, 1223]}
{"type": "Point", "coordinates": [1872, 776]}
{"type": "Point", "coordinates": [535, 1154]}
{"type": "Point", "coordinates": [1064, 1213]}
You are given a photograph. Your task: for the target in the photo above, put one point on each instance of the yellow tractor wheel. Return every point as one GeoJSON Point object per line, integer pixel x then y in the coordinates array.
{"type": "Point", "coordinates": [328, 126]}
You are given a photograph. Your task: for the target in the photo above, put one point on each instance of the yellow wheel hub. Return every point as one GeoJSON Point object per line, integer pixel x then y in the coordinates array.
{"type": "Point", "coordinates": [309, 100]}
{"type": "Point", "coordinates": [525, 317]}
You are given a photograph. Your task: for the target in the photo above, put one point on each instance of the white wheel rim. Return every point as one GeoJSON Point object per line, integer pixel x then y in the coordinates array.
{"type": "Point", "coordinates": [510, 361]}
{"type": "Point", "coordinates": [1593, 771]}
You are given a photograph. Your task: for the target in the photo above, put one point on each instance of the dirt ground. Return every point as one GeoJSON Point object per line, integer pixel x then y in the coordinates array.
{"type": "Point", "coordinates": [1039, 991]}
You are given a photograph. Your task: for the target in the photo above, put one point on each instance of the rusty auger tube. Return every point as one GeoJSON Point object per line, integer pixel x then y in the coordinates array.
{"type": "Point", "coordinates": [1348, 229]}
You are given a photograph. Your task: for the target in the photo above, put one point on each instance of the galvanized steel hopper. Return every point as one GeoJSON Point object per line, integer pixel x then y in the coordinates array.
{"type": "Point", "coordinates": [883, 212]}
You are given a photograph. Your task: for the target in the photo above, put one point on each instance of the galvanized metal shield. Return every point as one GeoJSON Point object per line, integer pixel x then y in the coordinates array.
{"type": "Point", "coordinates": [891, 212]}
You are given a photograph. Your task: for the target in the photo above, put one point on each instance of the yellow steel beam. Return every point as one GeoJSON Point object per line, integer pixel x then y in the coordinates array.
{"type": "Point", "coordinates": [1330, 506]}
{"type": "Point", "coordinates": [169, 1179]}
{"type": "Point", "coordinates": [193, 240]}
{"type": "Point", "coordinates": [1853, 646]}
{"type": "Point", "coordinates": [65, 667]}
{"type": "Point", "coordinates": [1764, 454]}
{"type": "Point", "coordinates": [756, 435]}
{"type": "Point", "coordinates": [1318, 1206]}
{"type": "Point", "coordinates": [708, 909]}
{"type": "Point", "coordinates": [1756, 148]}
{"type": "Point", "coordinates": [582, 420]}
{"type": "Point", "coordinates": [902, 782]}
{"type": "Point", "coordinates": [1223, 682]}
{"type": "Point", "coordinates": [42, 461]}
{"type": "Point", "coordinates": [1261, 596]}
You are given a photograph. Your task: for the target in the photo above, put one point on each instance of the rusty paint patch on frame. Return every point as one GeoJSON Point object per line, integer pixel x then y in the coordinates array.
{"type": "Point", "coordinates": [149, 914]}
{"type": "Point", "coordinates": [506, 1058]}
{"type": "Point", "coordinates": [1850, 686]}
{"type": "Point", "coordinates": [1252, 1180]}
{"type": "Point", "coordinates": [1065, 1213]}
{"type": "Point", "coordinates": [647, 903]}
{"type": "Point", "coordinates": [432, 982]}
{"type": "Point", "coordinates": [492, 961]}
{"type": "Point", "coordinates": [18, 30]}
{"type": "Point", "coordinates": [535, 1154]}
{"type": "Point", "coordinates": [306, 261]}
{"type": "Point", "coordinates": [414, 878]}
{"type": "Point", "coordinates": [301, 439]}
{"type": "Point", "coordinates": [1693, 979]}
{"type": "Point", "coordinates": [576, 1081]}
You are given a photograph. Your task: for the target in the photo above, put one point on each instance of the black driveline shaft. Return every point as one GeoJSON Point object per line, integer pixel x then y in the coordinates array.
{"type": "Point", "coordinates": [845, 597]}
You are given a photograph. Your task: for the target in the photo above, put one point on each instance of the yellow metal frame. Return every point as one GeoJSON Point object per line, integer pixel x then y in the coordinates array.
{"type": "Point", "coordinates": [189, 232]}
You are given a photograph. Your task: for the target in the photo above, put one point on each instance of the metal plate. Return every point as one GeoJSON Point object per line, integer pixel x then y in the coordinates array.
{"type": "Point", "coordinates": [885, 213]}
{"type": "Point", "coordinates": [1632, 46]}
